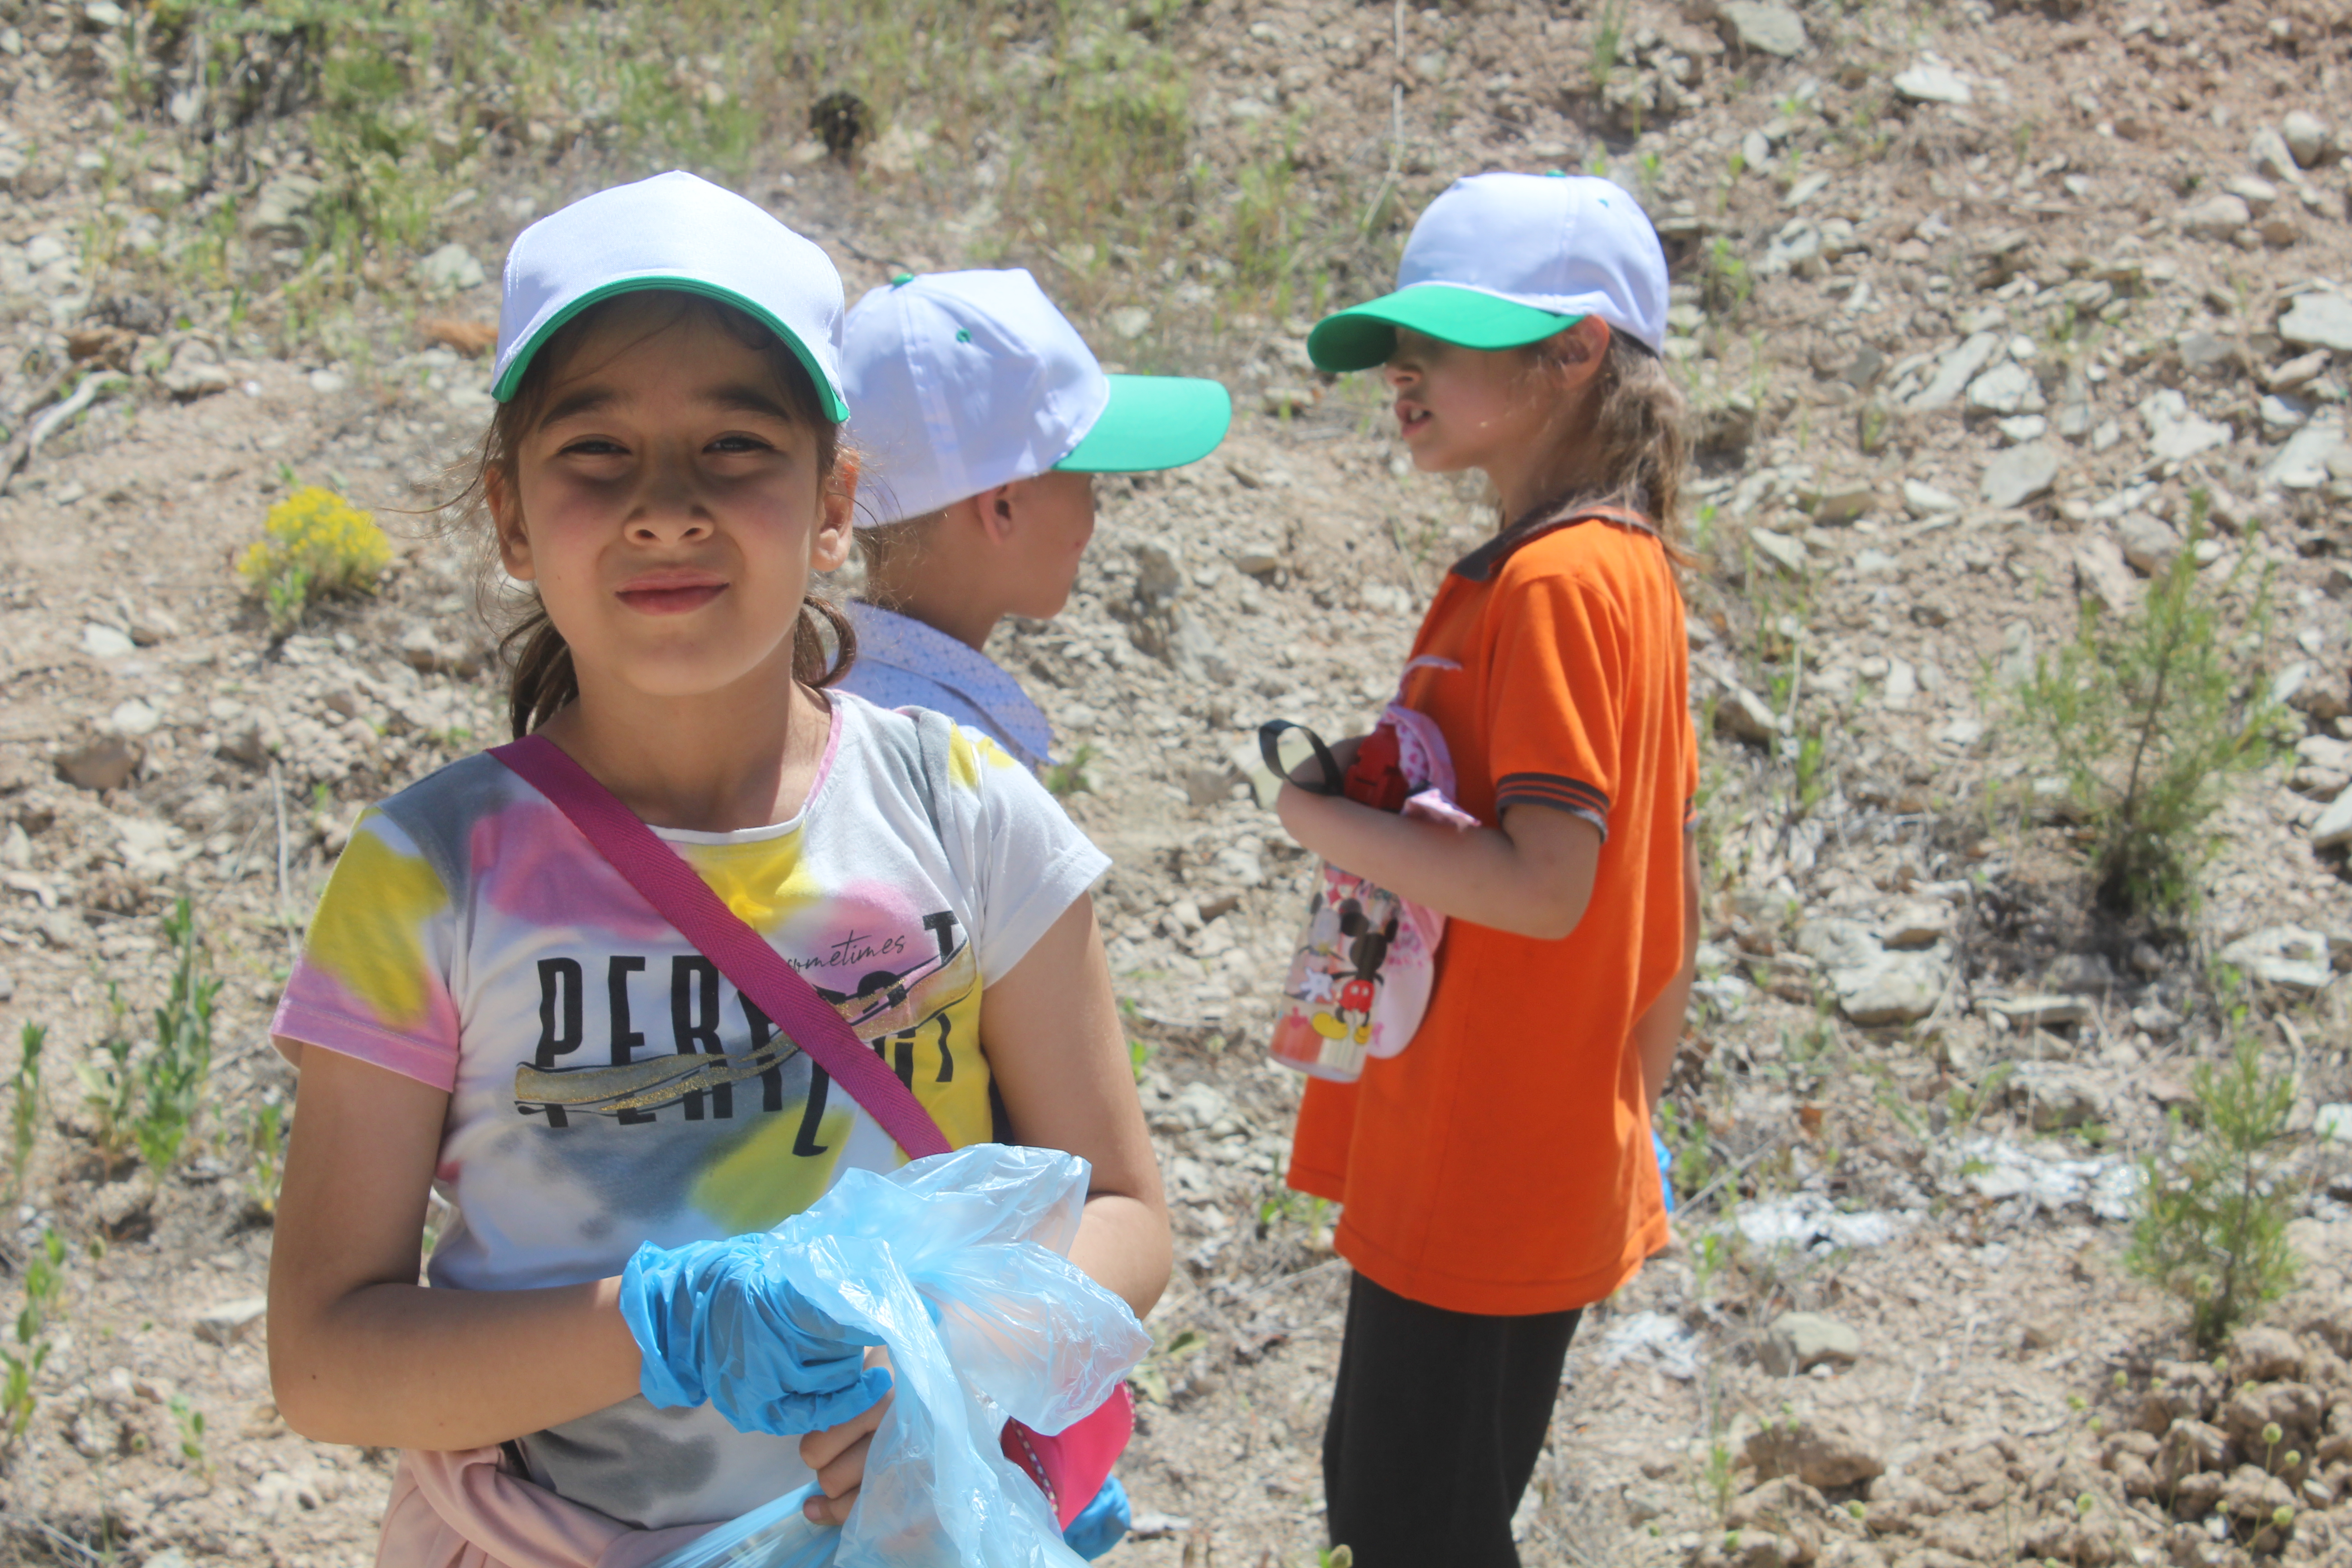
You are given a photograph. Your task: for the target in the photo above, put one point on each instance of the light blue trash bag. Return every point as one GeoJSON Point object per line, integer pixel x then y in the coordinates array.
{"type": "Point", "coordinates": [959, 1263]}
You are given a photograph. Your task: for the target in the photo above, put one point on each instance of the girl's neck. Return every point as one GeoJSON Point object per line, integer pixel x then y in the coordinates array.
{"type": "Point", "coordinates": [1540, 477]}
{"type": "Point", "coordinates": [717, 762]}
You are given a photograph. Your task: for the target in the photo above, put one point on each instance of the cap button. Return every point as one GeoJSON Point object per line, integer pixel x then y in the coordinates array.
{"type": "Point", "coordinates": [901, 280]}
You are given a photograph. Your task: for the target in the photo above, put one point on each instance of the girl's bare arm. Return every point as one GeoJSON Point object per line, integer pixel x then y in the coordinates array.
{"type": "Point", "coordinates": [1531, 877]}
{"type": "Point", "coordinates": [1658, 1033]}
{"type": "Point", "coordinates": [360, 1353]}
{"type": "Point", "coordinates": [1052, 1033]}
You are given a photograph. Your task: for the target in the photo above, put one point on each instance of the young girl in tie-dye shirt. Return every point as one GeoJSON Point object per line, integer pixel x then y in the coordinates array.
{"type": "Point", "coordinates": [485, 1008]}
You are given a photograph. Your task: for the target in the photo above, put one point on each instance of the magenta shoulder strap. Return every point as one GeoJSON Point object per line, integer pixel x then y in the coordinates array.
{"type": "Point", "coordinates": [666, 882]}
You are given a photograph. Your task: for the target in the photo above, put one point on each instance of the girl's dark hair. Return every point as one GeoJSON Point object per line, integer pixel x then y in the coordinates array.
{"type": "Point", "coordinates": [1631, 447]}
{"type": "Point", "coordinates": [540, 678]}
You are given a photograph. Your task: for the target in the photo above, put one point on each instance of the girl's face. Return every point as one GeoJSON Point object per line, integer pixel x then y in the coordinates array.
{"type": "Point", "coordinates": [1055, 518]}
{"type": "Point", "coordinates": [670, 507]}
{"type": "Point", "coordinates": [1461, 408]}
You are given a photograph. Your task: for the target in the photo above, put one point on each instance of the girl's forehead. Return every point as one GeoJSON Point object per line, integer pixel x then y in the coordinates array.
{"type": "Point", "coordinates": [679, 361]}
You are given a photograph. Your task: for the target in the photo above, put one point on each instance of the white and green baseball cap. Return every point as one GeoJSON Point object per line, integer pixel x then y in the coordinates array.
{"type": "Point", "coordinates": [1499, 261]}
{"type": "Point", "coordinates": [673, 231]}
{"type": "Point", "coordinates": [959, 381]}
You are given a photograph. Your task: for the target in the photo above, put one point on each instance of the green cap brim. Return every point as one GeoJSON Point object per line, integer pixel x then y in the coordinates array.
{"type": "Point", "coordinates": [1365, 336]}
{"type": "Point", "coordinates": [1152, 422]}
{"type": "Point", "coordinates": [504, 390]}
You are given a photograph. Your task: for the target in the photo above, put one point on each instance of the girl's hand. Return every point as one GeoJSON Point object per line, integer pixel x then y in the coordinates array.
{"type": "Point", "coordinates": [837, 1455]}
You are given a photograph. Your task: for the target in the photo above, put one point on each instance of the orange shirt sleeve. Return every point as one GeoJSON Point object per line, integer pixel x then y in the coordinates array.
{"type": "Point", "coordinates": [1556, 692]}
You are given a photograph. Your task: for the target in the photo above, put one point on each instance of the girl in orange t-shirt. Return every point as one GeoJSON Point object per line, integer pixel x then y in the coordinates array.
{"type": "Point", "coordinates": [1498, 1175]}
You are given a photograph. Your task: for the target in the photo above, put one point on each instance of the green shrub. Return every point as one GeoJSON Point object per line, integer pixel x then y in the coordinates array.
{"type": "Point", "coordinates": [173, 1074]}
{"type": "Point", "coordinates": [2147, 715]}
{"type": "Point", "coordinates": [2215, 1205]}
{"type": "Point", "coordinates": [25, 1105]}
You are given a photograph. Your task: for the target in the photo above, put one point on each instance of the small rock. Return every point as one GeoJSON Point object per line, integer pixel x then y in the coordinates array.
{"type": "Point", "coordinates": [2020, 474]}
{"type": "Point", "coordinates": [1740, 713]}
{"type": "Point", "coordinates": [1130, 322]}
{"type": "Point", "coordinates": [2037, 1011]}
{"type": "Point", "coordinates": [2335, 825]}
{"type": "Point", "coordinates": [2175, 432]}
{"type": "Point", "coordinates": [2218, 216]}
{"type": "Point", "coordinates": [1769, 29]}
{"type": "Point", "coordinates": [1287, 402]}
{"type": "Point", "coordinates": [1927, 501]}
{"type": "Point", "coordinates": [2288, 956]}
{"type": "Point", "coordinates": [2333, 1122]}
{"type": "Point", "coordinates": [2264, 1354]}
{"type": "Point", "coordinates": [2202, 353]}
{"type": "Point", "coordinates": [1799, 1342]}
{"type": "Point", "coordinates": [1920, 923]}
{"type": "Point", "coordinates": [452, 269]}
{"type": "Point", "coordinates": [2302, 463]}
{"type": "Point", "coordinates": [1932, 81]}
{"type": "Point", "coordinates": [1955, 371]}
{"type": "Point", "coordinates": [1784, 552]}
{"type": "Point", "coordinates": [194, 374]}
{"type": "Point", "coordinates": [133, 718]}
{"type": "Point", "coordinates": [2100, 575]}
{"type": "Point", "coordinates": [2148, 542]}
{"type": "Point", "coordinates": [2058, 1095]}
{"type": "Point", "coordinates": [2297, 372]}
{"type": "Point", "coordinates": [326, 383]}
{"type": "Point", "coordinates": [2314, 320]}
{"type": "Point", "coordinates": [105, 642]}
{"type": "Point", "coordinates": [1896, 988]}
{"type": "Point", "coordinates": [2308, 140]}
{"type": "Point", "coordinates": [2004, 389]}
{"type": "Point", "coordinates": [105, 764]}
{"type": "Point", "coordinates": [1821, 1451]}
{"type": "Point", "coordinates": [231, 1320]}
{"type": "Point", "coordinates": [150, 626]}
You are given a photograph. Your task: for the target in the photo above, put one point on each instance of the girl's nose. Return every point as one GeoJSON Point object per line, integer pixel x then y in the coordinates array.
{"type": "Point", "coordinates": [669, 511]}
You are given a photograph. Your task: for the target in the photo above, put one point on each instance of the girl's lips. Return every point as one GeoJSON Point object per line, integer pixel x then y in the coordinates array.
{"type": "Point", "coordinates": [671, 593]}
{"type": "Point", "coordinates": [1409, 418]}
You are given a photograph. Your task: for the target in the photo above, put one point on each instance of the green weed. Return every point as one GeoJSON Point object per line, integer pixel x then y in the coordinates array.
{"type": "Point", "coordinates": [172, 1076]}
{"type": "Point", "coordinates": [191, 1423]}
{"type": "Point", "coordinates": [2148, 716]}
{"type": "Point", "coordinates": [44, 1278]}
{"type": "Point", "coordinates": [1151, 1374]}
{"type": "Point", "coordinates": [1065, 779]}
{"type": "Point", "coordinates": [24, 1106]}
{"type": "Point", "coordinates": [110, 1084]}
{"type": "Point", "coordinates": [266, 1139]}
{"type": "Point", "coordinates": [2215, 1206]}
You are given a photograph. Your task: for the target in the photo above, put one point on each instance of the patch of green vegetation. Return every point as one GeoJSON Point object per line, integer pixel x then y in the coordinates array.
{"type": "Point", "coordinates": [2215, 1203]}
{"type": "Point", "coordinates": [2149, 714]}
{"type": "Point", "coordinates": [24, 1105]}
{"type": "Point", "coordinates": [44, 1279]}
{"type": "Point", "coordinates": [173, 1076]}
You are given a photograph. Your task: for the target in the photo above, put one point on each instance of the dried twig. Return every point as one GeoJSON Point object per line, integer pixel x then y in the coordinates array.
{"type": "Point", "coordinates": [28, 443]}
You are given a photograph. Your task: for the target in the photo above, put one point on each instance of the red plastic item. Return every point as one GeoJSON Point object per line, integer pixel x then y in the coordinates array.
{"type": "Point", "coordinates": [1374, 778]}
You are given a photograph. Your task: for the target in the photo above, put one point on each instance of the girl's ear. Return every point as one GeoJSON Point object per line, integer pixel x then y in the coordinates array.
{"type": "Point", "coordinates": [506, 521]}
{"type": "Point", "coordinates": [996, 508]}
{"type": "Point", "coordinates": [1580, 350]}
{"type": "Point", "coordinates": [838, 529]}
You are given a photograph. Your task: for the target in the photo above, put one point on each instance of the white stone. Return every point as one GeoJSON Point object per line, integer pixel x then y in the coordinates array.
{"type": "Point", "coordinates": [1927, 501]}
{"type": "Point", "coordinates": [133, 718]}
{"type": "Point", "coordinates": [2315, 320]}
{"type": "Point", "coordinates": [2149, 543]}
{"type": "Point", "coordinates": [1932, 81]}
{"type": "Point", "coordinates": [105, 642]}
{"type": "Point", "coordinates": [1954, 372]}
{"type": "Point", "coordinates": [2003, 389]}
{"type": "Point", "coordinates": [2176, 431]}
{"type": "Point", "coordinates": [1769, 29]}
{"type": "Point", "coordinates": [452, 269]}
{"type": "Point", "coordinates": [229, 1321]}
{"type": "Point", "coordinates": [2334, 1123]}
{"type": "Point", "coordinates": [2335, 824]}
{"type": "Point", "coordinates": [2307, 139]}
{"type": "Point", "coordinates": [2217, 217]}
{"type": "Point", "coordinates": [2020, 474]}
{"type": "Point", "coordinates": [327, 383]}
{"type": "Point", "coordinates": [1785, 552]}
{"type": "Point", "coordinates": [2285, 955]}
{"type": "Point", "coordinates": [2302, 463]}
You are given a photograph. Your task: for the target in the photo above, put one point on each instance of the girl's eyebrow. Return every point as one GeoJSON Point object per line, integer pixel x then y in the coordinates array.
{"type": "Point", "coordinates": [734, 398]}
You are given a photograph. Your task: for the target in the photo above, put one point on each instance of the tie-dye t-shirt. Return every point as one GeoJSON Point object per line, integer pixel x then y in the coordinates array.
{"type": "Point", "coordinates": [608, 1086]}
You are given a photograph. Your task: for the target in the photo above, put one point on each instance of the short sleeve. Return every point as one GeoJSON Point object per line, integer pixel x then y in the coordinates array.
{"type": "Point", "coordinates": [1556, 693]}
{"type": "Point", "coordinates": [372, 981]}
{"type": "Point", "coordinates": [1022, 858]}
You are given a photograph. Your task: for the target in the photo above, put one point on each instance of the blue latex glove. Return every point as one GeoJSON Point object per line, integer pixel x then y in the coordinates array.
{"type": "Point", "coordinates": [719, 1321]}
{"type": "Point", "coordinates": [1665, 1163]}
{"type": "Point", "coordinates": [1102, 1523]}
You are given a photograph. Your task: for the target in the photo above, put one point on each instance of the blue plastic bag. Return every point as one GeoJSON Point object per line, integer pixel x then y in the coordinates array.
{"type": "Point", "coordinates": [959, 1263]}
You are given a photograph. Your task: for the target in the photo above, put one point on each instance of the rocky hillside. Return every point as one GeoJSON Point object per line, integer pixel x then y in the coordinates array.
{"type": "Point", "coordinates": [1988, 315]}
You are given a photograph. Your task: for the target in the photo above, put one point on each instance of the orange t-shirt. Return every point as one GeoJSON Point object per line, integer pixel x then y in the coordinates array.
{"type": "Point", "coordinates": [1501, 1164]}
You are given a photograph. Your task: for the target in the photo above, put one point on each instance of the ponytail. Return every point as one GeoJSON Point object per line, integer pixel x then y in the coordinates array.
{"type": "Point", "coordinates": [1627, 445]}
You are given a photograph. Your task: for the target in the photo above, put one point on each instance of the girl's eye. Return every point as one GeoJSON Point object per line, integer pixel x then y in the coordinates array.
{"type": "Point", "coordinates": [591, 447]}
{"type": "Point", "coordinates": [739, 443]}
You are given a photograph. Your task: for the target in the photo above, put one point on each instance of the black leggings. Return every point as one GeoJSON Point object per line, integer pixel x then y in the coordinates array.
{"type": "Point", "coordinates": [1437, 1420]}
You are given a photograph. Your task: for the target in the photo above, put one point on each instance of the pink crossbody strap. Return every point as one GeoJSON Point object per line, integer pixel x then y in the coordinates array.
{"type": "Point", "coordinates": [666, 882]}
